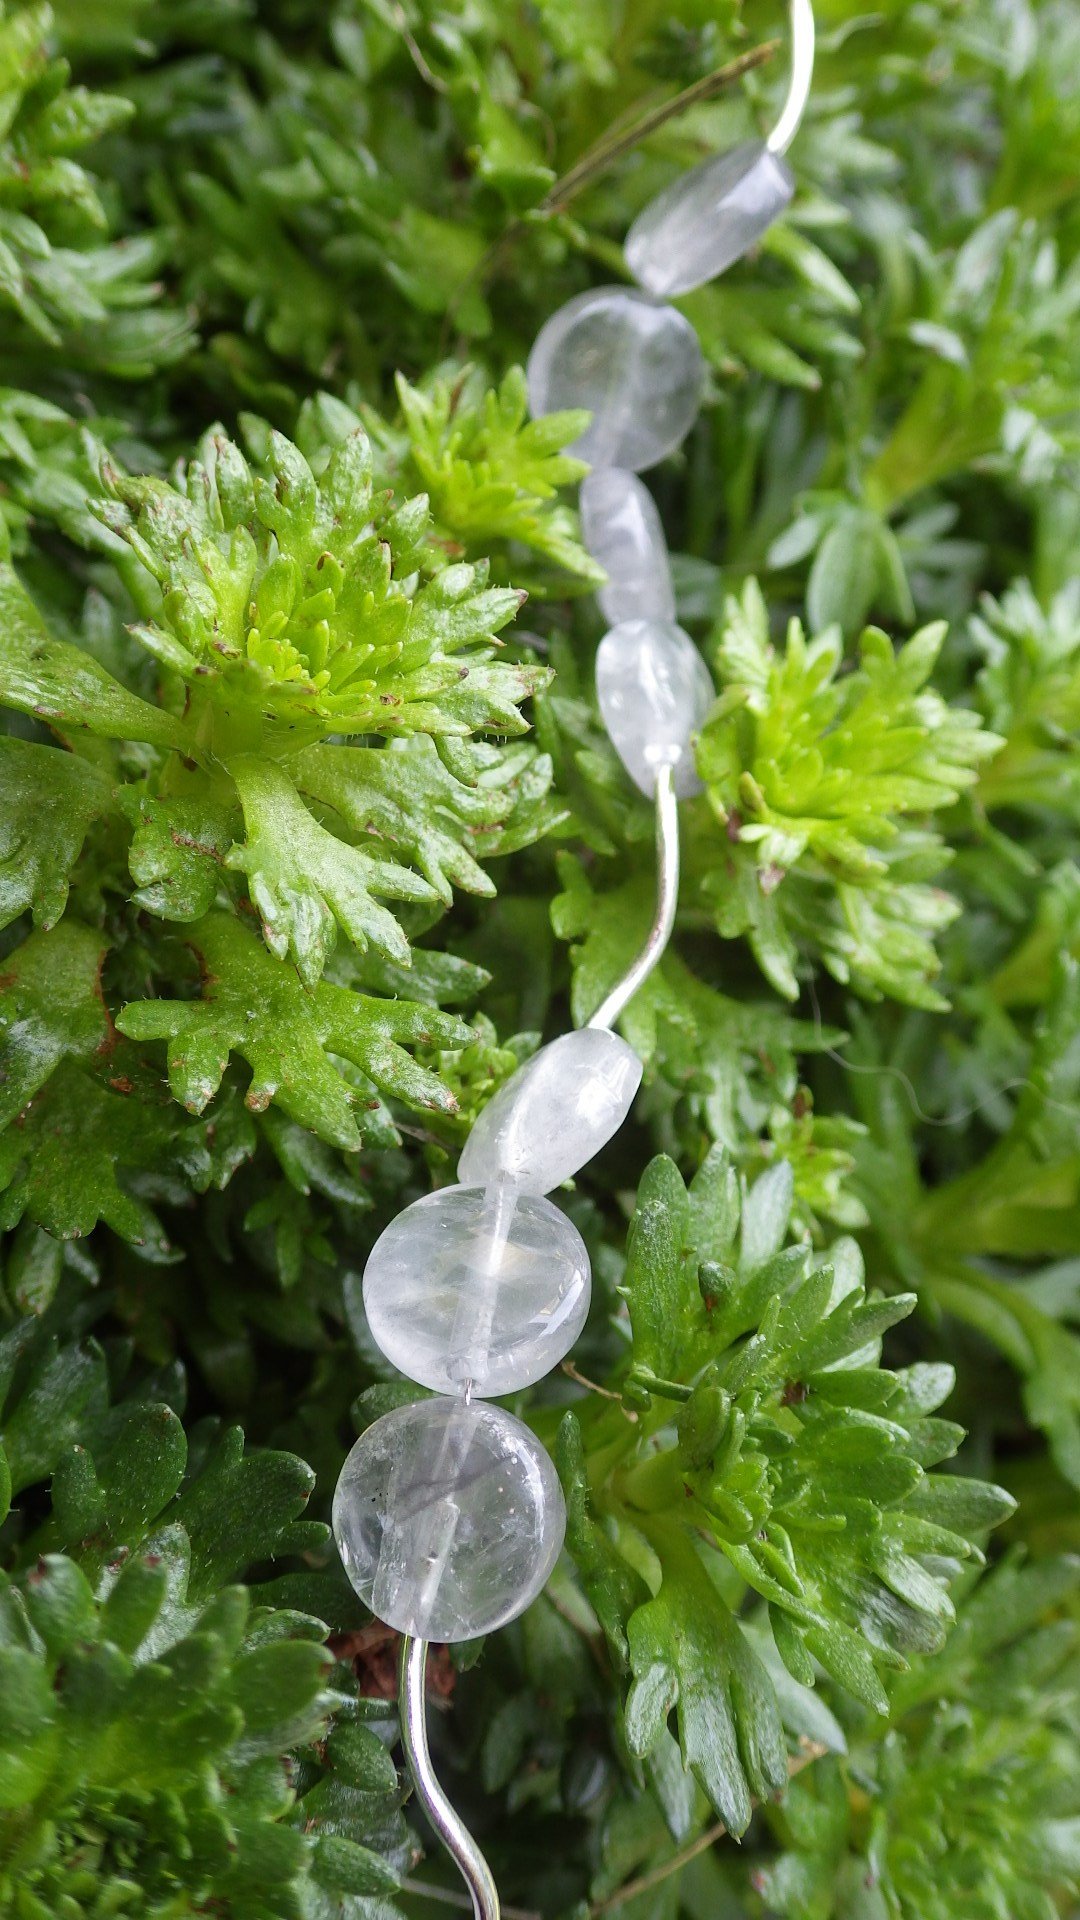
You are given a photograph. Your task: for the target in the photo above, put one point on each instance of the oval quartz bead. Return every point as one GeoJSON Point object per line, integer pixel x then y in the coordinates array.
{"type": "Point", "coordinates": [635, 363]}
{"type": "Point", "coordinates": [449, 1518]}
{"type": "Point", "coordinates": [708, 218]}
{"type": "Point", "coordinates": [488, 1286]}
{"type": "Point", "coordinates": [654, 691]}
{"type": "Point", "coordinates": [621, 529]}
{"type": "Point", "coordinates": [554, 1113]}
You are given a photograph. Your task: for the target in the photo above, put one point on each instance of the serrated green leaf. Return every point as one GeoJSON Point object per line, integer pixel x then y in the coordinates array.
{"type": "Point", "coordinates": [687, 1652]}
{"type": "Point", "coordinates": [66, 687]}
{"type": "Point", "coordinates": [50, 800]}
{"type": "Point", "coordinates": [255, 1005]}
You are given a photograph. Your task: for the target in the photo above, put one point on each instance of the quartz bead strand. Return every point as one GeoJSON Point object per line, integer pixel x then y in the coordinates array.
{"type": "Point", "coordinates": [448, 1515]}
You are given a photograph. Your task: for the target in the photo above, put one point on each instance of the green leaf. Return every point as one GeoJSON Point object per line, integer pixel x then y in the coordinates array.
{"type": "Point", "coordinates": [303, 880]}
{"type": "Point", "coordinates": [408, 801]}
{"type": "Point", "coordinates": [257, 1007]}
{"type": "Point", "coordinates": [281, 607]}
{"type": "Point", "coordinates": [656, 1283]}
{"type": "Point", "coordinates": [51, 1010]}
{"type": "Point", "coordinates": [687, 1652]}
{"type": "Point", "coordinates": [50, 801]}
{"type": "Point", "coordinates": [347, 1868]}
{"type": "Point", "coordinates": [66, 687]}
{"type": "Point", "coordinates": [491, 473]}
{"type": "Point", "coordinates": [178, 850]}
{"type": "Point", "coordinates": [67, 1163]}
{"type": "Point", "coordinates": [815, 774]}
{"type": "Point", "coordinates": [240, 1509]}
{"type": "Point", "coordinates": [611, 1584]}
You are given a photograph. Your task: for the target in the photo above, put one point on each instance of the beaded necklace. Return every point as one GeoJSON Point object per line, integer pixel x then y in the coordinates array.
{"type": "Point", "coordinates": [448, 1513]}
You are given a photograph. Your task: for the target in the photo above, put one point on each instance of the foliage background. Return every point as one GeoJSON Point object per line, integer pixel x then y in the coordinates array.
{"type": "Point", "coordinates": [308, 831]}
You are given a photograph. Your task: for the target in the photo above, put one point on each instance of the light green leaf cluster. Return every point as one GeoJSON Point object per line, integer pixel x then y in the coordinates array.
{"type": "Point", "coordinates": [823, 780]}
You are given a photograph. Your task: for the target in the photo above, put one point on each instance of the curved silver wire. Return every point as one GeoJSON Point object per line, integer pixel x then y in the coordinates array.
{"type": "Point", "coordinates": [446, 1821]}
{"type": "Point", "coordinates": [802, 72]}
{"type": "Point", "coordinates": [667, 896]}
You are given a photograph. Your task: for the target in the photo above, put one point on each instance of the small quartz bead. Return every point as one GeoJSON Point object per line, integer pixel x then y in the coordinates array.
{"type": "Point", "coordinates": [654, 691]}
{"type": "Point", "coordinates": [621, 529]}
{"type": "Point", "coordinates": [553, 1114]}
{"type": "Point", "coordinates": [632, 361]}
{"type": "Point", "coordinates": [449, 1518]}
{"type": "Point", "coordinates": [708, 218]}
{"type": "Point", "coordinates": [488, 1288]}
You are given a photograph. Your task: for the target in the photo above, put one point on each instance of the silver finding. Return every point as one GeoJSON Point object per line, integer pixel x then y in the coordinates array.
{"type": "Point", "coordinates": [802, 70]}
{"type": "Point", "coordinates": [446, 1821]}
{"type": "Point", "coordinates": [667, 895]}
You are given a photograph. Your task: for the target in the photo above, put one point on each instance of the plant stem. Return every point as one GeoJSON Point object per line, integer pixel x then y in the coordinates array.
{"type": "Point", "coordinates": [610, 147]}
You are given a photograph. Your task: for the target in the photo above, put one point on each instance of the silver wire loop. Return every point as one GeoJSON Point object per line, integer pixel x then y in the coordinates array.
{"type": "Point", "coordinates": [802, 72]}
{"type": "Point", "coordinates": [667, 895]}
{"type": "Point", "coordinates": [447, 1822]}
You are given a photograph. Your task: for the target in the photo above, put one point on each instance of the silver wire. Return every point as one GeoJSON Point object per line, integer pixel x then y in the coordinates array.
{"type": "Point", "coordinates": [802, 72]}
{"type": "Point", "coordinates": [446, 1821]}
{"type": "Point", "coordinates": [667, 896]}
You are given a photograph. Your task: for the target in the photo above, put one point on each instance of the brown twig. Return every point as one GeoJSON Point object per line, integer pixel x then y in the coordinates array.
{"type": "Point", "coordinates": [429, 77]}
{"type": "Point", "coordinates": [593, 1386]}
{"type": "Point", "coordinates": [810, 1750]}
{"type": "Point", "coordinates": [611, 147]}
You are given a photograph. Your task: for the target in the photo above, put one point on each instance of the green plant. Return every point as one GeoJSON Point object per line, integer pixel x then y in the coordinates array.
{"type": "Point", "coordinates": [309, 833]}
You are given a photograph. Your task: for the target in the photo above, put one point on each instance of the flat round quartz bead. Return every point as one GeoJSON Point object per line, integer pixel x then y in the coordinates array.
{"type": "Point", "coordinates": [488, 1286]}
{"type": "Point", "coordinates": [708, 218]}
{"type": "Point", "coordinates": [654, 691]}
{"type": "Point", "coordinates": [635, 363]}
{"type": "Point", "coordinates": [449, 1518]}
{"type": "Point", "coordinates": [621, 529]}
{"type": "Point", "coordinates": [553, 1114]}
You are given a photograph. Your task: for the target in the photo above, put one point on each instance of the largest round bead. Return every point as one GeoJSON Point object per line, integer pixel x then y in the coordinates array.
{"type": "Point", "coordinates": [449, 1518]}
{"type": "Point", "coordinates": [632, 361]}
{"type": "Point", "coordinates": [488, 1286]}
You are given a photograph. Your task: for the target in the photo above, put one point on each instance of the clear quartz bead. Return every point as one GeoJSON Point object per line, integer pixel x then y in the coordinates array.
{"type": "Point", "coordinates": [553, 1114]}
{"type": "Point", "coordinates": [654, 691]}
{"type": "Point", "coordinates": [708, 218]}
{"type": "Point", "coordinates": [634, 362]}
{"type": "Point", "coordinates": [621, 529]}
{"type": "Point", "coordinates": [488, 1287]}
{"type": "Point", "coordinates": [449, 1518]}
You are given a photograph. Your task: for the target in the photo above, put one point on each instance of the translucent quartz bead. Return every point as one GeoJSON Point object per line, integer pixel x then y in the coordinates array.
{"type": "Point", "coordinates": [553, 1114]}
{"type": "Point", "coordinates": [621, 528]}
{"type": "Point", "coordinates": [634, 363]}
{"type": "Point", "coordinates": [488, 1286]}
{"type": "Point", "coordinates": [654, 691]}
{"type": "Point", "coordinates": [708, 218]}
{"type": "Point", "coordinates": [449, 1518]}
